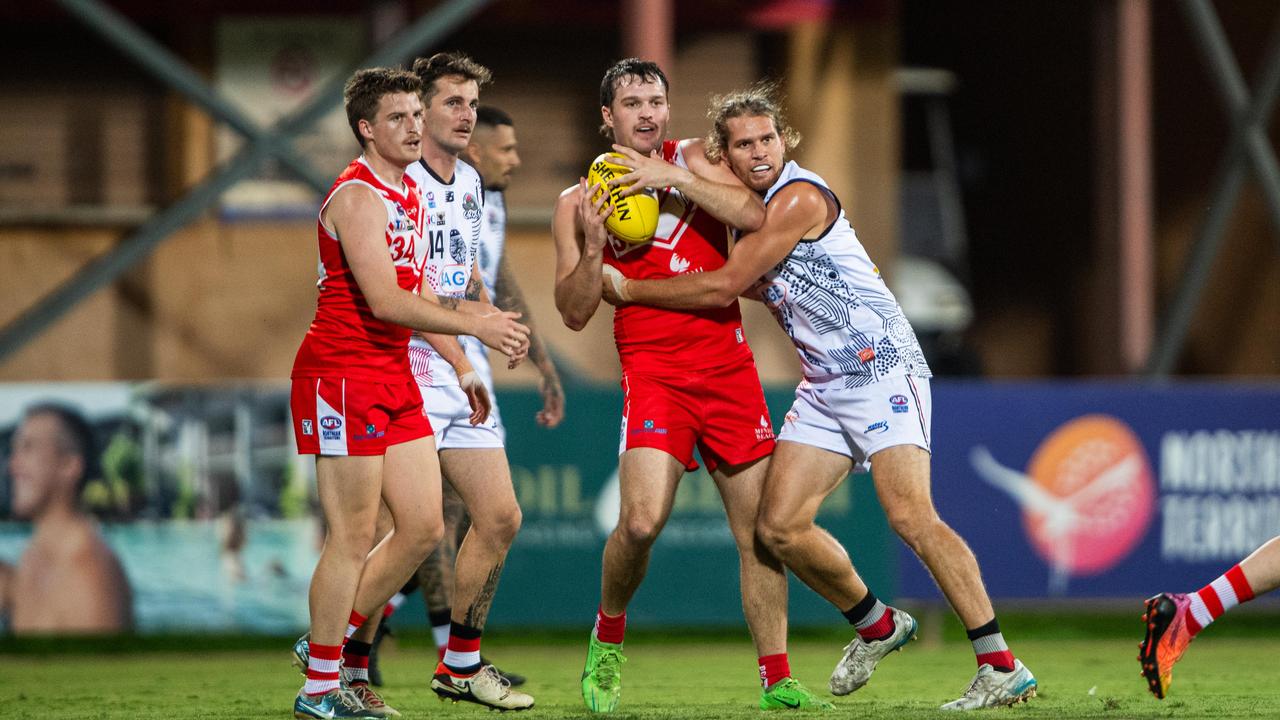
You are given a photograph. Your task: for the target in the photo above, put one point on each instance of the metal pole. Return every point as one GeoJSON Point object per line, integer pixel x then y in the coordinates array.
{"type": "Point", "coordinates": [1218, 56]}
{"type": "Point", "coordinates": [171, 70]}
{"type": "Point", "coordinates": [1228, 182]}
{"type": "Point", "coordinates": [422, 33]}
{"type": "Point", "coordinates": [105, 268]}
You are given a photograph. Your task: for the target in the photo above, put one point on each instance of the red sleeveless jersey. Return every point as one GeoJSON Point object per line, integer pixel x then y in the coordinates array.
{"type": "Point", "coordinates": [688, 240]}
{"type": "Point", "coordinates": [345, 339]}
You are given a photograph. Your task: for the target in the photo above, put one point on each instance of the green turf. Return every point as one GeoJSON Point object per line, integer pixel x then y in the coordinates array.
{"type": "Point", "coordinates": [1222, 677]}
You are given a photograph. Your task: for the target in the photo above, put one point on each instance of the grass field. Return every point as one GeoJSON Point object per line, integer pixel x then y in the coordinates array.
{"type": "Point", "coordinates": [1230, 676]}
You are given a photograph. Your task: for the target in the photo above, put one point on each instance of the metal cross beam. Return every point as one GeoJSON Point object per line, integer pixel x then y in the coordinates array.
{"type": "Point", "coordinates": [104, 269]}
{"type": "Point", "coordinates": [1248, 146]}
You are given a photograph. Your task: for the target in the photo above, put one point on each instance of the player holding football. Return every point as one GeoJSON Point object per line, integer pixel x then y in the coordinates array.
{"type": "Point", "coordinates": [354, 402]}
{"type": "Point", "coordinates": [688, 376]}
{"type": "Point", "coordinates": [471, 444]}
{"type": "Point", "coordinates": [1175, 619]}
{"type": "Point", "coordinates": [864, 400]}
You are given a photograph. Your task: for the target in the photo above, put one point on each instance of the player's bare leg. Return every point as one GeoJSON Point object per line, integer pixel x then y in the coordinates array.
{"type": "Point", "coordinates": [435, 576]}
{"type": "Point", "coordinates": [1173, 620]}
{"type": "Point", "coordinates": [348, 489]}
{"type": "Point", "coordinates": [483, 480]}
{"type": "Point", "coordinates": [412, 495]}
{"type": "Point", "coordinates": [901, 475]}
{"type": "Point", "coordinates": [764, 586]}
{"type": "Point", "coordinates": [800, 478]}
{"type": "Point", "coordinates": [1262, 567]}
{"type": "Point", "coordinates": [647, 479]}
{"type": "Point", "coordinates": [357, 654]}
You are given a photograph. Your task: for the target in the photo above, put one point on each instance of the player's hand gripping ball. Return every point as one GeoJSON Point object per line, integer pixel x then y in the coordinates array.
{"type": "Point", "coordinates": [635, 218]}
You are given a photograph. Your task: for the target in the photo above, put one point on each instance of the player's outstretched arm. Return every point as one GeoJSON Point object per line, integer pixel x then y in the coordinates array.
{"type": "Point", "coordinates": [579, 233]}
{"type": "Point", "coordinates": [798, 211]}
{"type": "Point", "coordinates": [358, 217]}
{"type": "Point", "coordinates": [510, 297]}
{"type": "Point", "coordinates": [713, 187]}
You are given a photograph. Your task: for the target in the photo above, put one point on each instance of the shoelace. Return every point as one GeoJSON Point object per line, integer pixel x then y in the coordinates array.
{"type": "Point", "coordinates": [492, 672]}
{"type": "Point", "coordinates": [349, 699]}
{"type": "Point", "coordinates": [607, 667]}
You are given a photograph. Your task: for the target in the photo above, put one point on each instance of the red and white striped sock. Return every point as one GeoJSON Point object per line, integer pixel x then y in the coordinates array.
{"type": "Point", "coordinates": [611, 628]}
{"type": "Point", "coordinates": [322, 669]}
{"type": "Point", "coordinates": [462, 656]}
{"type": "Point", "coordinates": [353, 624]}
{"type": "Point", "coordinates": [1230, 589]}
{"type": "Point", "coordinates": [990, 648]}
{"type": "Point", "coordinates": [774, 669]}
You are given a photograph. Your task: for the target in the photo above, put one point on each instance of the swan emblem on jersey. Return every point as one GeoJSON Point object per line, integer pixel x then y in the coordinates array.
{"type": "Point", "coordinates": [457, 248]}
{"type": "Point", "coordinates": [470, 208]}
{"type": "Point", "coordinates": [678, 264]}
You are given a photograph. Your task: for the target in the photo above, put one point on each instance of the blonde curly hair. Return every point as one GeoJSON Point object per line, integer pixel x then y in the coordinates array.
{"type": "Point", "coordinates": [760, 100]}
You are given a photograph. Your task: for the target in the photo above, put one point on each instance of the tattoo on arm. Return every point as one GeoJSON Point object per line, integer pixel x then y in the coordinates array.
{"type": "Point", "coordinates": [449, 302]}
{"type": "Point", "coordinates": [509, 297]}
{"type": "Point", "coordinates": [474, 287]}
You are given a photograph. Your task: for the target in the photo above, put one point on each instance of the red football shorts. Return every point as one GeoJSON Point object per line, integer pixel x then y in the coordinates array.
{"type": "Point", "coordinates": [721, 411]}
{"type": "Point", "coordinates": [336, 416]}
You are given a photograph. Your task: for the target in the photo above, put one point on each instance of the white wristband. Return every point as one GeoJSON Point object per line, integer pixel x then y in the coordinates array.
{"type": "Point", "coordinates": [468, 379]}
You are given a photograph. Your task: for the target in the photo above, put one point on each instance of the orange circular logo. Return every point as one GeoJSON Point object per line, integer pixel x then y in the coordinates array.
{"type": "Point", "coordinates": [1098, 495]}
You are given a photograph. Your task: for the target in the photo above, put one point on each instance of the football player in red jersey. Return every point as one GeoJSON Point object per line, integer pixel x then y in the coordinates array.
{"type": "Point", "coordinates": [689, 377]}
{"type": "Point", "coordinates": [354, 401]}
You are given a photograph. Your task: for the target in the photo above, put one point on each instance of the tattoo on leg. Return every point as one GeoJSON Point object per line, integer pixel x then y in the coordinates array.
{"type": "Point", "coordinates": [478, 612]}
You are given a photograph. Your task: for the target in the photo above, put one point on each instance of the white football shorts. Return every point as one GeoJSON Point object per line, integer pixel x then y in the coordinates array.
{"type": "Point", "coordinates": [450, 416]}
{"type": "Point", "coordinates": [859, 422]}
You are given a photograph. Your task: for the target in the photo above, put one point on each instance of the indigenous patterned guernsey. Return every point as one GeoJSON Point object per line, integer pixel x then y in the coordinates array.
{"type": "Point", "coordinates": [345, 339]}
{"type": "Point", "coordinates": [687, 240]}
{"type": "Point", "coordinates": [453, 212]}
{"type": "Point", "coordinates": [830, 299]}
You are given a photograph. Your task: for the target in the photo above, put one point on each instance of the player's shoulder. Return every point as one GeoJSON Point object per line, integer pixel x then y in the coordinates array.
{"type": "Point", "coordinates": [570, 194]}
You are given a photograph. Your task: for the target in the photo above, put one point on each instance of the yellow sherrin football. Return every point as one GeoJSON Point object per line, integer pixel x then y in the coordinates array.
{"type": "Point", "coordinates": [634, 219]}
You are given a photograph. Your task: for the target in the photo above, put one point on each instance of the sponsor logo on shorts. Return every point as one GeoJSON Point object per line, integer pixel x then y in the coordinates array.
{"type": "Point", "coordinates": [308, 428]}
{"type": "Point", "coordinates": [331, 427]}
{"type": "Point", "coordinates": [648, 426]}
{"type": "Point", "coordinates": [765, 431]}
{"type": "Point", "coordinates": [790, 417]}
{"type": "Point", "coordinates": [371, 432]}
{"type": "Point", "coordinates": [899, 403]}
{"type": "Point", "coordinates": [878, 427]}
{"type": "Point", "coordinates": [737, 333]}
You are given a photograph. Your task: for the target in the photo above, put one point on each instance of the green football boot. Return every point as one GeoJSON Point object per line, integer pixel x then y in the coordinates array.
{"type": "Point", "coordinates": [789, 694]}
{"type": "Point", "coordinates": [337, 703]}
{"type": "Point", "coordinates": [602, 676]}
